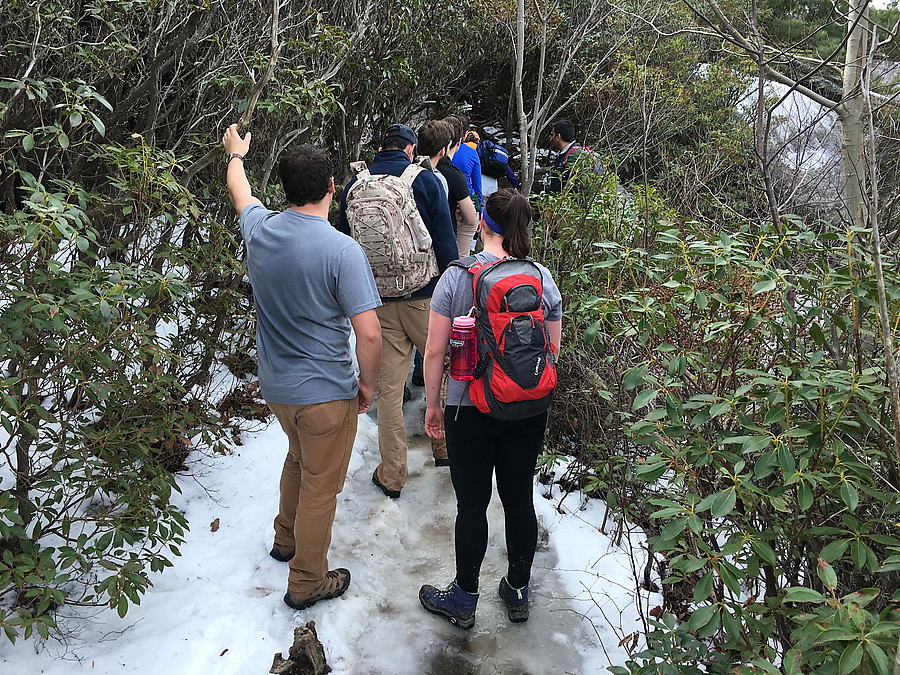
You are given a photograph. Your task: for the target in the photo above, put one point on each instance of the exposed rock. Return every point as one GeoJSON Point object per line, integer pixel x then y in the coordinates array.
{"type": "Point", "coordinates": [305, 657]}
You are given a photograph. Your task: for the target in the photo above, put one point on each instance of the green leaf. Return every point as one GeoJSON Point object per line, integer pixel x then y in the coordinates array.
{"type": "Point", "coordinates": [850, 658]}
{"type": "Point", "coordinates": [804, 495]}
{"type": "Point", "coordinates": [703, 588]}
{"type": "Point", "coordinates": [802, 594]}
{"type": "Point", "coordinates": [62, 139]}
{"type": "Point", "coordinates": [884, 627]}
{"type": "Point", "coordinates": [28, 143]}
{"type": "Point", "coordinates": [792, 662]}
{"type": "Point", "coordinates": [701, 617]}
{"type": "Point", "coordinates": [634, 377]}
{"type": "Point", "coordinates": [879, 658]}
{"type": "Point", "coordinates": [775, 415]}
{"type": "Point", "coordinates": [834, 550]}
{"type": "Point", "coordinates": [786, 460]}
{"type": "Point", "coordinates": [674, 528]}
{"type": "Point", "coordinates": [719, 408]}
{"type": "Point", "coordinates": [827, 574]}
{"type": "Point", "coordinates": [850, 495]}
{"type": "Point", "coordinates": [763, 286]}
{"type": "Point", "coordinates": [590, 334]}
{"type": "Point", "coordinates": [756, 443]}
{"type": "Point", "coordinates": [644, 398]}
{"type": "Point", "coordinates": [764, 551]}
{"type": "Point", "coordinates": [724, 503]}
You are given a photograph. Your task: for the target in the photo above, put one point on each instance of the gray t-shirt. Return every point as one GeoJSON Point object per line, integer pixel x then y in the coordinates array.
{"type": "Point", "coordinates": [308, 280]}
{"type": "Point", "coordinates": [453, 296]}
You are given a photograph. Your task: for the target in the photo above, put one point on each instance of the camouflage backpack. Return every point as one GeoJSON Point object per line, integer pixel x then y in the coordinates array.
{"type": "Point", "coordinates": [384, 219]}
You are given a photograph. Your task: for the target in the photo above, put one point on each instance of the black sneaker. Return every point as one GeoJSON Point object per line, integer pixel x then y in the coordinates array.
{"type": "Point", "coordinates": [280, 556]}
{"type": "Point", "coordinates": [333, 585]}
{"type": "Point", "coordinates": [417, 380]}
{"type": "Point", "coordinates": [516, 600]}
{"type": "Point", "coordinates": [393, 494]}
{"type": "Point", "coordinates": [442, 462]}
{"type": "Point", "coordinates": [407, 394]}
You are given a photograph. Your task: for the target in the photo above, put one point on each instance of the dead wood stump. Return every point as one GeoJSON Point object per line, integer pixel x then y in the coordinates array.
{"type": "Point", "coordinates": [305, 657]}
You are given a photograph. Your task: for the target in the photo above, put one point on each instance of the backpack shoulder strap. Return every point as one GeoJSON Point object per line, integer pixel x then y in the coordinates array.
{"type": "Point", "coordinates": [466, 263]}
{"type": "Point", "coordinates": [410, 173]}
{"type": "Point", "coordinates": [360, 169]}
{"type": "Point", "coordinates": [575, 146]}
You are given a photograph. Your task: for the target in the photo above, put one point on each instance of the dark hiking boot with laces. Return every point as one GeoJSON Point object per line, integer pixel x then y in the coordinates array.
{"type": "Point", "coordinates": [280, 555]}
{"type": "Point", "coordinates": [333, 585]}
{"type": "Point", "coordinates": [452, 602]}
{"type": "Point", "coordinates": [516, 600]}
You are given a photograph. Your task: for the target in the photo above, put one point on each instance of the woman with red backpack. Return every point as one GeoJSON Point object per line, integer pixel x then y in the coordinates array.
{"type": "Point", "coordinates": [487, 429]}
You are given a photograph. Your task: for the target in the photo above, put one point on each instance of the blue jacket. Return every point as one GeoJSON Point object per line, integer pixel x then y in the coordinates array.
{"type": "Point", "coordinates": [466, 160]}
{"type": "Point", "coordinates": [432, 202]}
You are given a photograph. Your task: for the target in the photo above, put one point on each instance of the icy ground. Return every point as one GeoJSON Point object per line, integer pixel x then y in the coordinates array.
{"type": "Point", "coordinates": [220, 609]}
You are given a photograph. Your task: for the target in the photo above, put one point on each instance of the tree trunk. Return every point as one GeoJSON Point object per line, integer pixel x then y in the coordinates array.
{"type": "Point", "coordinates": [524, 146]}
{"type": "Point", "coordinates": [853, 114]}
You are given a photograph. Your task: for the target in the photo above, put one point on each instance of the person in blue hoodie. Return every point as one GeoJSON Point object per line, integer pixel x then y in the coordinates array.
{"type": "Point", "coordinates": [404, 320]}
{"type": "Point", "coordinates": [466, 160]}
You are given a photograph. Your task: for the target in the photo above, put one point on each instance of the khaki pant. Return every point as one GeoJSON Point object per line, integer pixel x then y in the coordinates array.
{"type": "Point", "coordinates": [404, 325]}
{"type": "Point", "coordinates": [464, 235]}
{"type": "Point", "coordinates": [320, 438]}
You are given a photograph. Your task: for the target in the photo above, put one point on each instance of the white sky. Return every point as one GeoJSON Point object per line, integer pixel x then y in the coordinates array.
{"type": "Point", "coordinates": [220, 609]}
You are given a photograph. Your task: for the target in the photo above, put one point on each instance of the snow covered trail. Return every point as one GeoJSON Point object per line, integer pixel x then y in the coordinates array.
{"type": "Point", "coordinates": [220, 609]}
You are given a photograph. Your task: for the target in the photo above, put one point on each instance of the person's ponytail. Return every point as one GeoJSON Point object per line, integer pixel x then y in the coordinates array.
{"type": "Point", "coordinates": [512, 211]}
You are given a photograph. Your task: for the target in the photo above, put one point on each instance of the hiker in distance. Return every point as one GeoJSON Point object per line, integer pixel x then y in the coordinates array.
{"type": "Point", "coordinates": [494, 423]}
{"type": "Point", "coordinates": [562, 137]}
{"type": "Point", "coordinates": [311, 283]}
{"type": "Point", "coordinates": [398, 211]}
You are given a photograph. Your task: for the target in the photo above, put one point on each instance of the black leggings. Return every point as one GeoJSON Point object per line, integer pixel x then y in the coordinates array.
{"type": "Point", "coordinates": [477, 446]}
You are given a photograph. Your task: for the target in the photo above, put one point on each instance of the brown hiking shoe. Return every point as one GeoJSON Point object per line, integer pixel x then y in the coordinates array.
{"type": "Point", "coordinates": [333, 585]}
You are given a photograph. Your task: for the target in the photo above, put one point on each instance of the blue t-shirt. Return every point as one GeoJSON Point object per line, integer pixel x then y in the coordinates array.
{"type": "Point", "coordinates": [308, 280]}
{"type": "Point", "coordinates": [453, 296]}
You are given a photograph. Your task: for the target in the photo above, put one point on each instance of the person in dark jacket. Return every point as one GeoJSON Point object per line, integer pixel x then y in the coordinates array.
{"type": "Point", "coordinates": [562, 137]}
{"type": "Point", "coordinates": [404, 321]}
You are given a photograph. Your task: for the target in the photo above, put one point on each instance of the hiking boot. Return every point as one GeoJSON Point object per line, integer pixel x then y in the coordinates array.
{"type": "Point", "coordinates": [516, 600]}
{"type": "Point", "coordinates": [393, 494]}
{"type": "Point", "coordinates": [333, 585]}
{"type": "Point", "coordinates": [452, 602]}
{"type": "Point", "coordinates": [279, 555]}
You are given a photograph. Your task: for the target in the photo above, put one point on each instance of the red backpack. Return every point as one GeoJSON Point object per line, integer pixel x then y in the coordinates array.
{"type": "Point", "coordinates": [516, 373]}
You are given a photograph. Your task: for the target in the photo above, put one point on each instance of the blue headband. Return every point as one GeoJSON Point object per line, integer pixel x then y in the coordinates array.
{"type": "Point", "coordinates": [491, 223]}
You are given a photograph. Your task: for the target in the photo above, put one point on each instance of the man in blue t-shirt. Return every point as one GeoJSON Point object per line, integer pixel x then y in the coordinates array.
{"type": "Point", "coordinates": [310, 285]}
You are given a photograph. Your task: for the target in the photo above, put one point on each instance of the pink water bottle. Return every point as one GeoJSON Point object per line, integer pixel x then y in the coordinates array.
{"type": "Point", "coordinates": [463, 350]}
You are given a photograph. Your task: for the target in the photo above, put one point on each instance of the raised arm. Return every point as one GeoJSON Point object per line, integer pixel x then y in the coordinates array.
{"type": "Point", "coordinates": [235, 178]}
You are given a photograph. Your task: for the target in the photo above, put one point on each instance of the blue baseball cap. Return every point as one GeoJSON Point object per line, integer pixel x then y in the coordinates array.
{"type": "Point", "coordinates": [401, 131]}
